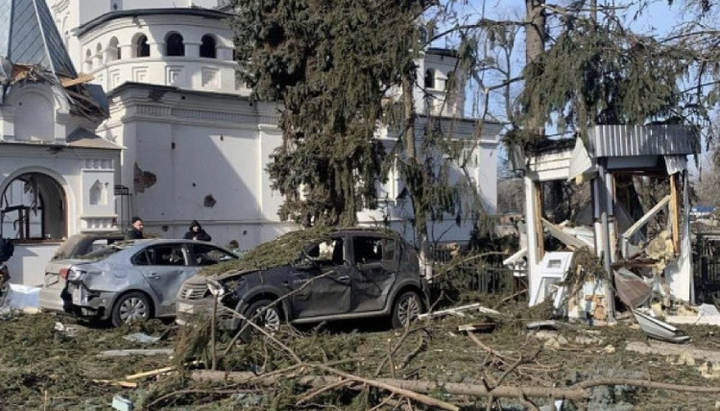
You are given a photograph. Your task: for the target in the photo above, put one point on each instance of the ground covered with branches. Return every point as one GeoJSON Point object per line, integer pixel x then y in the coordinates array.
{"type": "Point", "coordinates": [358, 366]}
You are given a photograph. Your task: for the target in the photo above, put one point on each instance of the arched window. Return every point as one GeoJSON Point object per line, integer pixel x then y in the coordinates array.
{"type": "Point", "coordinates": [430, 78]}
{"type": "Point", "coordinates": [174, 45]}
{"type": "Point", "coordinates": [451, 80]}
{"type": "Point", "coordinates": [207, 47]}
{"type": "Point", "coordinates": [88, 60]}
{"type": "Point", "coordinates": [113, 49]}
{"type": "Point", "coordinates": [142, 48]}
{"type": "Point", "coordinates": [35, 207]}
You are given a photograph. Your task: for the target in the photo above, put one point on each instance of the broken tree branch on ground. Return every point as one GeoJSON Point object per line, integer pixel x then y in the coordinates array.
{"type": "Point", "coordinates": [577, 391]}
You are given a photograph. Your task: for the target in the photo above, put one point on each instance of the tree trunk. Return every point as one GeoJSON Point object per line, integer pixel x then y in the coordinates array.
{"type": "Point", "coordinates": [578, 391]}
{"type": "Point", "coordinates": [534, 48]}
{"type": "Point", "coordinates": [417, 202]}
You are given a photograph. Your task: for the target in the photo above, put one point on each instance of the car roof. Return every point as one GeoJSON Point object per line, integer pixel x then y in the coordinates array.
{"type": "Point", "coordinates": [145, 242]}
{"type": "Point", "coordinates": [133, 246]}
{"type": "Point", "coordinates": [365, 230]}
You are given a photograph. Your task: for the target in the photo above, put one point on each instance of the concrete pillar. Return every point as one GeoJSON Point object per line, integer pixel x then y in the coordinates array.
{"type": "Point", "coordinates": [157, 50]}
{"type": "Point", "coordinates": [192, 49]}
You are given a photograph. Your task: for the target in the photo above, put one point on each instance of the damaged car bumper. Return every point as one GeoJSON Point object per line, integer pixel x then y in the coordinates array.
{"type": "Point", "coordinates": [84, 302]}
{"type": "Point", "coordinates": [195, 304]}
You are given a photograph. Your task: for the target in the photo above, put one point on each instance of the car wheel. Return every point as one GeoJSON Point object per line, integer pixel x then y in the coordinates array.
{"type": "Point", "coordinates": [270, 318]}
{"type": "Point", "coordinates": [406, 309]}
{"type": "Point", "coordinates": [131, 307]}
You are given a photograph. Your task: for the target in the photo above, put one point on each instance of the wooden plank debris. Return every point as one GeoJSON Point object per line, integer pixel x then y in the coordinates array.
{"type": "Point", "coordinates": [572, 242]}
{"type": "Point", "coordinates": [675, 212]}
{"type": "Point", "coordinates": [158, 371]}
{"type": "Point", "coordinates": [81, 78]}
{"type": "Point", "coordinates": [481, 327]}
{"type": "Point", "coordinates": [458, 311]}
{"type": "Point", "coordinates": [124, 384]}
{"type": "Point", "coordinates": [125, 353]}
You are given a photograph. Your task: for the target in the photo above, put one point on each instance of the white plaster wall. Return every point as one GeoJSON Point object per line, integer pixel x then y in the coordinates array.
{"type": "Point", "coordinates": [486, 174]}
{"type": "Point", "coordinates": [27, 124]}
{"type": "Point", "coordinates": [223, 163]}
{"type": "Point", "coordinates": [34, 112]}
{"type": "Point", "coordinates": [271, 200]}
{"type": "Point", "coordinates": [100, 178]}
{"type": "Point", "coordinates": [195, 146]}
{"type": "Point", "coordinates": [27, 265]}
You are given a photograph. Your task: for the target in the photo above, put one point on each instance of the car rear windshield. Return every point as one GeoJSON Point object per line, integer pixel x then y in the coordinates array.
{"type": "Point", "coordinates": [81, 244]}
{"type": "Point", "coordinates": [104, 252]}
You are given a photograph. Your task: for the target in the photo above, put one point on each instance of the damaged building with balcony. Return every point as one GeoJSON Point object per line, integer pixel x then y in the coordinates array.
{"type": "Point", "coordinates": [56, 175]}
{"type": "Point", "coordinates": [646, 249]}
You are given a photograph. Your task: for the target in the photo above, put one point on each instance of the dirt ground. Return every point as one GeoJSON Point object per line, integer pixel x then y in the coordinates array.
{"type": "Point", "coordinates": [52, 363]}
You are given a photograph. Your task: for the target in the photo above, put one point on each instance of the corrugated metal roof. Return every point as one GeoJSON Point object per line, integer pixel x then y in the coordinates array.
{"type": "Point", "coordinates": [29, 36]}
{"type": "Point", "coordinates": [659, 139]}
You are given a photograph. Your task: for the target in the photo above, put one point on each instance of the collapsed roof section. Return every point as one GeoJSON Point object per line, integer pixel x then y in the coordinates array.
{"type": "Point", "coordinates": [31, 49]}
{"type": "Point", "coordinates": [609, 152]}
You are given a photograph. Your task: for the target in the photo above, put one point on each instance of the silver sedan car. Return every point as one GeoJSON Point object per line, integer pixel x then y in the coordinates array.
{"type": "Point", "coordinates": [136, 281]}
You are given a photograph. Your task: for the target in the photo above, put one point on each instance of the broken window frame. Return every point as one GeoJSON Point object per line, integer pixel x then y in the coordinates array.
{"type": "Point", "coordinates": [22, 225]}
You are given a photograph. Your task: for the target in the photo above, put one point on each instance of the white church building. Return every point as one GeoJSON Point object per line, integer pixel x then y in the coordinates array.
{"type": "Point", "coordinates": [180, 137]}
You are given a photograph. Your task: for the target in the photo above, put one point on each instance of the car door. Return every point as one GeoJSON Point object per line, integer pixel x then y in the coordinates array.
{"type": "Point", "coordinates": [321, 283]}
{"type": "Point", "coordinates": [165, 267]}
{"type": "Point", "coordinates": [202, 254]}
{"type": "Point", "coordinates": [376, 260]}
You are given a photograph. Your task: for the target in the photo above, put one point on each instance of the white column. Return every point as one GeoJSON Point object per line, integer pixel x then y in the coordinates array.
{"type": "Point", "coordinates": [532, 241]}
{"type": "Point", "coordinates": [192, 49]}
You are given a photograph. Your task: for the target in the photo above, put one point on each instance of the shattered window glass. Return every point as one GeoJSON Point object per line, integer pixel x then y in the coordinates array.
{"type": "Point", "coordinates": [368, 249]}
{"type": "Point", "coordinates": [326, 252]}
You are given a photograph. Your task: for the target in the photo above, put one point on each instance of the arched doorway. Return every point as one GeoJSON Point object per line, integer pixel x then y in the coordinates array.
{"type": "Point", "coordinates": [33, 206]}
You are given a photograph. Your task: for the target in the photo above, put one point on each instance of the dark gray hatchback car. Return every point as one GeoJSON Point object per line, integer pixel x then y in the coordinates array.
{"type": "Point", "coordinates": [342, 274]}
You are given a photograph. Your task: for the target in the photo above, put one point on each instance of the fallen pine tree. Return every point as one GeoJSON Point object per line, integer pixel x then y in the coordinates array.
{"type": "Point", "coordinates": [577, 391]}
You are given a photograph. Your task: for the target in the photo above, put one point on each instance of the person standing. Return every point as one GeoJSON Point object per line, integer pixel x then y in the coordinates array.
{"type": "Point", "coordinates": [135, 232]}
{"type": "Point", "coordinates": [196, 232]}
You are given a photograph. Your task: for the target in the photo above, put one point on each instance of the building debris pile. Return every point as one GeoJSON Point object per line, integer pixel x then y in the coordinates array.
{"type": "Point", "coordinates": [627, 245]}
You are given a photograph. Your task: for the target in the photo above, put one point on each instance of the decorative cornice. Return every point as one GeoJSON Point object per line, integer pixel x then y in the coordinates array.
{"type": "Point", "coordinates": [176, 115]}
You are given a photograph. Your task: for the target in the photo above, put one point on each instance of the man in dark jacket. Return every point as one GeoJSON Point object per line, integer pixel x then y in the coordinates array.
{"type": "Point", "coordinates": [135, 232]}
{"type": "Point", "coordinates": [196, 232]}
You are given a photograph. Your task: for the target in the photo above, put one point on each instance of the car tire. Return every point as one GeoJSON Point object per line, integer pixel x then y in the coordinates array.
{"type": "Point", "coordinates": [270, 320]}
{"type": "Point", "coordinates": [131, 307]}
{"type": "Point", "coordinates": [406, 308]}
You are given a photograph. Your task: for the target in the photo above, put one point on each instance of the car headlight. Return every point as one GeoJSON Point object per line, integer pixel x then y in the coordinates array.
{"type": "Point", "coordinates": [75, 274]}
{"type": "Point", "coordinates": [215, 288]}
